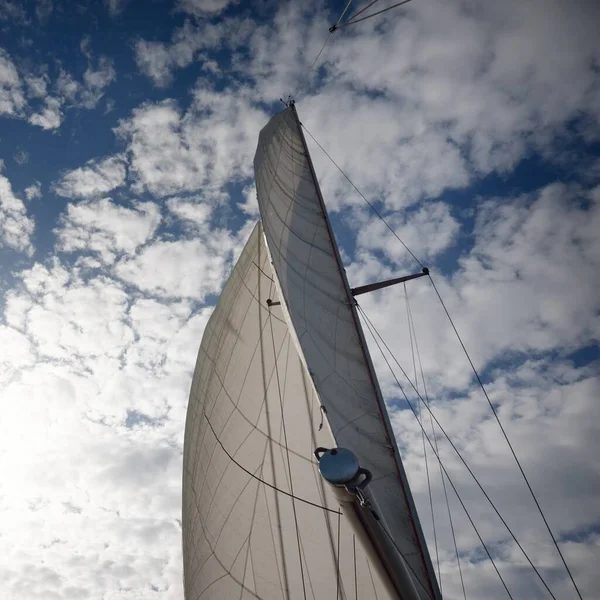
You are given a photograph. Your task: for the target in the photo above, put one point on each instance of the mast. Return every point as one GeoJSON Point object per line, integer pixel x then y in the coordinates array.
{"type": "Point", "coordinates": [387, 546]}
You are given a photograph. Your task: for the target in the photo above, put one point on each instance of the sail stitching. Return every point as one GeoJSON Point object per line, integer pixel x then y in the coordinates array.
{"type": "Point", "coordinates": [288, 461]}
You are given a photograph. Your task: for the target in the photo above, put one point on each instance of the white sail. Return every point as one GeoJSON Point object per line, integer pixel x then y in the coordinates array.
{"type": "Point", "coordinates": [258, 520]}
{"type": "Point", "coordinates": [317, 296]}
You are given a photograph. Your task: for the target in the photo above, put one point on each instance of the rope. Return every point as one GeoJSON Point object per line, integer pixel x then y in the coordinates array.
{"type": "Point", "coordinates": [270, 485]}
{"type": "Point", "coordinates": [362, 195]}
{"type": "Point", "coordinates": [482, 489]}
{"type": "Point", "coordinates": [352, 22]}
{"type": "Point", "coordinates": [539, 508]}
{"type": "Point", "coordinates": [412, 349]}
{"type": "Point", "coordinates": [372, 329]}
{"type": "Point", "coordinates": [506, 438]}
{"type": "Point", "coordinates": [440, 464]}
{"type": "Point", "coordinates": [314, 62]}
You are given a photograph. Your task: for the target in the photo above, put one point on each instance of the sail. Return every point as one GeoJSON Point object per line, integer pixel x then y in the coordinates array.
{"type": "Point", "coordinates": [321, 309]}
{"type": "Point", "coordinates": [258, 519]}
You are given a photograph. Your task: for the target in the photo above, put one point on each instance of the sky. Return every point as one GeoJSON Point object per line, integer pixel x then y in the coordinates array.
{"type": "Point", "coordinates": [127, 133]}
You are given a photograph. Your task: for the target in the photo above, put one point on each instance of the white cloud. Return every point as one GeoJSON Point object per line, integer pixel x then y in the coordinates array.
{"type": "Point", "coordinates": [189, 268]}
{"type": "Point", "coordinates": [192, 210]}
{"type": "Point", "coordinates": [158, 60]}
{"type": "Point", "coordinates": [106, 228]}
{"type": "Point", "coordinates": [16, 227]}
{"type": "Point", "coordinates": [34, 191]}
{"type": "Point", "coordinates": [116, 7]}
{"type": "Point", "coordinates": [94, 179]}
{"type": "Point", "coordinates": [37, 86]}
{"type": "Point", "coordinates": [12, 100]}
{"type": "Point", "coordinates": [43, 10]}
{"type": "Point", "coordinates": [203, 148]}
{"type": "Point", "coordinates": [96, 81]}
{"type": "Point", "coordinates": [12, 11]}
{"type": "Point", "coordinates": [50, 117]}
{"type": "Point", "coordinates": [528, 285]}
{"type": "Point", "coordinates": [427, 231]}
{"type": "Point", "coordinates": [203, 7]}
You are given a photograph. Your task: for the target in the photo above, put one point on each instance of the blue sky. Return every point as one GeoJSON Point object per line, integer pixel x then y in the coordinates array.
{"type": "Point", "coordinates": [127, 135]}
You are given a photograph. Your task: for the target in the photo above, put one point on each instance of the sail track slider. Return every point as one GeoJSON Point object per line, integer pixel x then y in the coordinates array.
{"type": "Point", "coordinates": [371, 287]}
{"type": "Point", "coordinates": [271, 303]}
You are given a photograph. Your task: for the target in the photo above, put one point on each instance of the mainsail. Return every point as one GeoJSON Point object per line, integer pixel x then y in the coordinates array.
{"type": "Point", "coordinates": [282, 354]}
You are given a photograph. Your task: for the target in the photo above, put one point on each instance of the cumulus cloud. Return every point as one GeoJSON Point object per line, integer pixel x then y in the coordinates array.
{"type": "Point", "coordinates": [16, 228]}
{"type": "Point", "coordinates": [43, 10]}
{"type": "Point", "coordinates": [12, 11]}
{"type": "Point", "coordinates": [190, 269]}
{"type": "Point", "coordinates": [528, 285]}
{"type": "Point", "coordinates": [106, 228]}
{"type": "Point", "coordinates": [115, 7]}
{"type": "Point", "coordinates": [158, 60]}
{"type": "Point", "coordinates": [51, 115]}
{"type": "Point", "coordinates": [203, 7]}
{"type": "Point", "coordinates": [94, 179]}
{"type": "Point", "coordinates": [211, 143]}
{"type": "Point", "coordinates": [34, 191]}
{"type": "Point", "coordinates": [12, 99]}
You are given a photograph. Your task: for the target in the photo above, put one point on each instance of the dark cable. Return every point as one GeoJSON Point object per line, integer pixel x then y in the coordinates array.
{"type": "Point", "coordinates": [273, 487]}
{"type": "Point", "coordinates": [437, 456]}
{"type": "Point", "coordinates": [507, 439]}
{"type": "Point", "coordinates": [361, 194]}
{"type": "Point", "coordinates": [373, 14]}
{"type": "Point", "coordinates": [412, 349]}
{"type": "Point", "coordinates": [464, 462]}
{"type": "Point", "coordinates": [440, 464]}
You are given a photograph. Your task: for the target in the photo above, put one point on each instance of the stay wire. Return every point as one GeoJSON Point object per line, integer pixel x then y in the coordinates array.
{"type": "Point", "coordinates": [464, 462]}
{"type": "Point", "coordinates": [412, 349]}
{"type": "Point", "coordinates": [314, 62]}
{"type": "Point", "coordinates": [514, 454]}
{"type": "Point", "coordinates": [361, 195]}
{"type": "Point", "coordinates": [440, 464]}
{"type": "Point", "coordinates": [372, 329]}
{"type": "Point", "coordinates": [352, 22]}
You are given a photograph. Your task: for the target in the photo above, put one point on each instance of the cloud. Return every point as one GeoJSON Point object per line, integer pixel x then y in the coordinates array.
{"type": "Point", "coordinates": [116, 7]}
{"type": "Point", "coordinates": [34, 191]}
{"type": "Point", "coordinates": [158, 60]}
{"type": "Point", "coordinates": [532, 405]}
{"type": "Point", "coordinates": [16, 228]}
{"type": "Point", "coordinates": [94, 179]}
{"type": "Point", "coordinates": [211, 143]}
{"type": "Point", "coordinates": [527, 286]}
{"type": "Point", "coordinates": [203, 7]}
{"type": "Point", "coordinates": [12, 100]}
{"type": "Point", "coordinates": [12, 11]}
{"type": "Point", "coordinates": [43, 10]}
{"type": "Point", "coordinates": [95, 81]}
{"type": "Point", "coordinates": [50, 117]}
{"type": "Point", "coordinates": [427, 231]}
{"type": "Point", "coordinates": [106, 228]}
{"type": "Point", "coordinates": [37, 85]}
{"type": "Point", "coordinates": [190, 269]}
